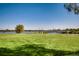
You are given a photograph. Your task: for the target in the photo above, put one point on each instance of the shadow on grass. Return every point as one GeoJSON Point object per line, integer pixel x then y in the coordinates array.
{"type": "Point", "coordinates": [34, 50]}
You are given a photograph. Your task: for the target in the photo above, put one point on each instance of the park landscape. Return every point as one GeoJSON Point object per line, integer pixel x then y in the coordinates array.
{"type": "Point", "coordinates": [39, 42]}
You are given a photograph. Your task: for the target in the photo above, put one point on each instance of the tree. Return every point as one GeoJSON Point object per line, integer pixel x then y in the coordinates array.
{"type": "Point", "coordinates": [72, 7]}
{"type": "Point", "coordinates": [19, 28]}
{"type": "Point", "coordinates": [7, 30]}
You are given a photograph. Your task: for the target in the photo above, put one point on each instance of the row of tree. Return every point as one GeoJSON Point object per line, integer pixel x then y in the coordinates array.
{"type": "Point", "coordinates": [20, 28]}
{"type": "Point", "coordinates": [71, 31]}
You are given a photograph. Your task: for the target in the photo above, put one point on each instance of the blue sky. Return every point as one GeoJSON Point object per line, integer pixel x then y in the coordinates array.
{"type": "Point", "coordinates": [37, 16]}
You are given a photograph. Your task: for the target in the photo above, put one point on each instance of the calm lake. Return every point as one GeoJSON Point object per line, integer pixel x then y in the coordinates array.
{"type": "Point", "coordinates": [24, 33]}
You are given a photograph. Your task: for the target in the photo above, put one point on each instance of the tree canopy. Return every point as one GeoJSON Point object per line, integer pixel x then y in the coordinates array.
{"type": "Point", "coordinates": [72, 7]}
{"type": "Point", "coordinates": [19, 28]}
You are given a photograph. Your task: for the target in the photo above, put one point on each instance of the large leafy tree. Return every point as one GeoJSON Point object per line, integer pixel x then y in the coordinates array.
{"type": "Point", "coordinates": [72, 7]}
{"type": "Point", "coordinates": [19, 28]}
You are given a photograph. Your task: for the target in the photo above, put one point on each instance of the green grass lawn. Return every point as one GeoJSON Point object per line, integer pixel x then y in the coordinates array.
{"type": "Point", "coordinates": [39, 44]}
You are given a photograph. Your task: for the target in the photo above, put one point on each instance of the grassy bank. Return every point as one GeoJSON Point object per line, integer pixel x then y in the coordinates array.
{"type": "Point", "coordinates": [39, 44]}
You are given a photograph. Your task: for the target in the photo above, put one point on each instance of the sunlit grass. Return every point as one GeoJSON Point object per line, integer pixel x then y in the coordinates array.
{"type": "Point", "coordinates": [64, 42]}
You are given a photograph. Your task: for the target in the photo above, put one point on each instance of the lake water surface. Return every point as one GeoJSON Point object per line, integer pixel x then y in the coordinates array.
{"type": "Point", "coordinates": [24, 33]}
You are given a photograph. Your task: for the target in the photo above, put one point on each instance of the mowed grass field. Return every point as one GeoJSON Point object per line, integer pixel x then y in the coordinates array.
{"type": "Point", "coordinates": [39, 44]}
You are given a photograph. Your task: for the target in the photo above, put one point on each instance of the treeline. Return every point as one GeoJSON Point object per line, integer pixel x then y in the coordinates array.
{"type": "Point", "coordinates": [65, 31]}
{"type": "Point", "coordinates": [71, 31]}
{"type": "Point", "coordinates": [7, 30]}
